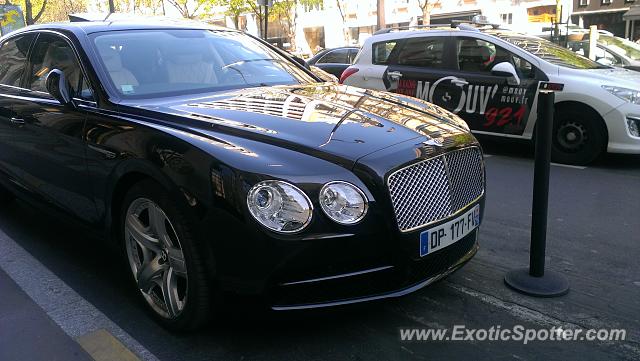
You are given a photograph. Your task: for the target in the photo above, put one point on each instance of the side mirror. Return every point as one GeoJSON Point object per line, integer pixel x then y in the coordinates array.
{"type": "Point", "coordinates": [300, 61]}
{"type": "Point", "coordinates": [58, 86]}
{"type": "Point", "coordinates": [323, 74]}
{"type": "Point", "coordinates": [506, 70]}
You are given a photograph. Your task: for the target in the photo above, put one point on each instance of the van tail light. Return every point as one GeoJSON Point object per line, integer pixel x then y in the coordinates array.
{"type": "Point", "coordinates": [347, 73]}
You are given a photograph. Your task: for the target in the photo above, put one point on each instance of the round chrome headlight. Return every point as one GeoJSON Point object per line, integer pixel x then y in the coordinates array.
{"type": "Point", "coordinates": [279, 206]}
{"type": "Point", "coordinates": [343, 202]}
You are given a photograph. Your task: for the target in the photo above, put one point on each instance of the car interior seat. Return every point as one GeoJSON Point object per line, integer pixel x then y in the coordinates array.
{"type": "Point", "coordinates": [473, 56]}
{"type": "Point", "coordinates": [187, 63]}
{"type": "Point", "coordinates": [122, 78]}
{"type": "Point", "coordinates": [58, 56]}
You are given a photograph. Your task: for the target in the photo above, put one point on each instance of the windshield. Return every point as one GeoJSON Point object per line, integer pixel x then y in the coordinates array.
{"type": "Point", "coordinates": [552, 53]}
{"type": "Point", "coordinates": [153, 63]}
{"type": "Point", "coordinates": [622, 46]}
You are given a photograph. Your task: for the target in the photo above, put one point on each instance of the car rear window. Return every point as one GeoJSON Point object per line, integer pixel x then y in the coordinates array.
{"type": "Point", "coordinates": [382, 51]}
{"type": "Point", "coordinates": [339, 56]}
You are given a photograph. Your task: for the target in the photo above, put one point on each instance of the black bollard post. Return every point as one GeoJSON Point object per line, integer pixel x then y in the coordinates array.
{"type": "Point", "coordinates": [534, 281]}
{"type": "Point", "coordinates": [542, 166]}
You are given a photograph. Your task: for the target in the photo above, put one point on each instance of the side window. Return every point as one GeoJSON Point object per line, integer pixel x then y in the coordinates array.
{"type": "Point", "coordinates": [53, 52]}
{"type": "Point", "coordinates": [13, 58]}
{"type": "Point", "coordinates": [424, 52]}
{"type": "Point", "coordinates": [524, 68]}
{"type": "Point", "coordinates": [382, 51]}
{"type": "Point", "coordinates": [609, 57]}
{"type": "Point", "coordinates": [352, 55]}
{"type": "Point", "coordinates": [339, 56]}
{"type": "Point", "coordinates": [475, 55]}
{"type": "Point", "coordinates": [479, 56]}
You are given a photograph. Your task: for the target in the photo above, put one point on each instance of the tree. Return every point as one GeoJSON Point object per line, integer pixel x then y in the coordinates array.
{"type": "Point", "coordinates": [427, 6]}
{"type": "Point", "coordinates": [257, 12]}
{"type": "Point", "coordinates": [28, 10]}
{"type": "Point", "coordinates": [345, 30]}
{"type": "Point", "coordinates": [234, 8]}
{"type": "Point", "coordinates": [183, 7]}
{"type": "Point", "coordinates": [287, 11]}
{"type": "Point", "coordinates": [59, 10]}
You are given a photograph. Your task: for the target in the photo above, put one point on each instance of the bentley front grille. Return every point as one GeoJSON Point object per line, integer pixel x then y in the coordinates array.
{"type": "Point", "coordinates": [436, 188]}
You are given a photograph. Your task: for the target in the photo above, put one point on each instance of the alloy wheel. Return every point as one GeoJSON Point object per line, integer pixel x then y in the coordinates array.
{"type": "Point", "coordinates": [156, 258]}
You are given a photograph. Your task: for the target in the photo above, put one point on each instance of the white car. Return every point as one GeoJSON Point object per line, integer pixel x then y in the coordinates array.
{"type": "Point", "coordinates": [490, 78]}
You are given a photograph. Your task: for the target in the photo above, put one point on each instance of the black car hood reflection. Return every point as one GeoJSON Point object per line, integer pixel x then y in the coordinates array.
{"type": "Point", "coordinates": [343, 121]}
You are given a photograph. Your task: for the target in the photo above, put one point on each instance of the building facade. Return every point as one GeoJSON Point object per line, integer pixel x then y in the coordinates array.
{"type": "Point", "coordinates": [337, 23]}
{"type": "Point", "coordinates": [343, 22]}
{"type": "Point", "coordinates": [606, 15]}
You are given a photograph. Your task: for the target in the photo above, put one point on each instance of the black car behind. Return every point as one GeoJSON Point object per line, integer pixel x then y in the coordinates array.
{"type": "Point", "coordinates": [334, 61]}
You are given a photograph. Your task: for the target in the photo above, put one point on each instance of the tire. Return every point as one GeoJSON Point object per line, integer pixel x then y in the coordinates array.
{"type": "Point", "coordinates": [169, 270]}
{"type": "Point", "coordinates": [579, 137]}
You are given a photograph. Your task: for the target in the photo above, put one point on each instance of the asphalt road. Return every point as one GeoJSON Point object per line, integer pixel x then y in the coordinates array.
{"type": "Point", "coordinates": [594, 239]}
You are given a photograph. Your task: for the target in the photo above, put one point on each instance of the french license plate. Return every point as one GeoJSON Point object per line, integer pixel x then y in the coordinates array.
{"type": "Point", "coordinates": [446, 234]}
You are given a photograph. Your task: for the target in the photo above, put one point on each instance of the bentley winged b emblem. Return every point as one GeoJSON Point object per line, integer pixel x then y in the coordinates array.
{"type": "Point", "coordinates": [434, 142]}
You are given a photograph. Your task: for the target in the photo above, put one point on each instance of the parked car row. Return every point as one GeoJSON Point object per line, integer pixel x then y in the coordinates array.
{"type": "Point", "coordinates": [220, 164]}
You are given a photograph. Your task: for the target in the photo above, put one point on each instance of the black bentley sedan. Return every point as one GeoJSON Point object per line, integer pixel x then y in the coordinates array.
{"type": "Point", "coordinates": [222, 166]}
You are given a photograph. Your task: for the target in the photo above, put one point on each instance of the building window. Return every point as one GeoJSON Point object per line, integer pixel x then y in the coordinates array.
{"type": "Point", "coordinates": [583, 3]}
{"type": "Point", "coordinates": [507, 18]}
{"type": "Point", "coordinates": [606, 2]}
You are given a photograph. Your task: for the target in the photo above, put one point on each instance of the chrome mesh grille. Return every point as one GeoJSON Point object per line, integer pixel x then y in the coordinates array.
{"type": "Point", "coordinates": [436, 188]}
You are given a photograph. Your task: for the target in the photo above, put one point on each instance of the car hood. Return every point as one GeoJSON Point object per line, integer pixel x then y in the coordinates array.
{"type": "Point", "coordinates": [612, 76]}
{"type": "Point", "coordinates": [330, 119]}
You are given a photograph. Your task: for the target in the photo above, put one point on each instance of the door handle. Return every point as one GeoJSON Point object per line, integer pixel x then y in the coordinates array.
{"type": "Point", "coordinates": [459, 82]}
{"type": "Point", "coordinates": [394, 75]}
{"type": "Point", "coordinates": [17, 121]}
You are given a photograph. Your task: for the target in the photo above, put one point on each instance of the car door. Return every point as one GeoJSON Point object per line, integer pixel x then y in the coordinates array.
{"type": "Point", "coordinates": [488, 102]}
{"type": "Point", "coordinates": [335, 61]}
{"type": "Point", "coordinates": [48, 146]}
{"type": "Point", "coordinates": [419, 67]}
{"type": "Point", "coordinates": [13, 60]}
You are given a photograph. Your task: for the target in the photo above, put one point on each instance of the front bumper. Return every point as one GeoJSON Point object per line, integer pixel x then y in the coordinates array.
{"type": "Point", "coordinates": [378, 283]}
{"type": "Point", "coordinates": [620, 138]}
{"type": "Point", "coordinates": [374, 262]}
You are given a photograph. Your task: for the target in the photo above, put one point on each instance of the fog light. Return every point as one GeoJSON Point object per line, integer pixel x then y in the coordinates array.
{"type": "Point", "coordinates": [634, 126]}
{"type": "Point", "coordinates": [343, 202]}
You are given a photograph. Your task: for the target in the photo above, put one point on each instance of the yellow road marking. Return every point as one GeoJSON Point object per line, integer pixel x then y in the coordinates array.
{"type": "Point", "coordinates": [102, 346]}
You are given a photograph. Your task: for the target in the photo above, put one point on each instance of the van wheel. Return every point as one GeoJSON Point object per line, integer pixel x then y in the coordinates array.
{"type": "Point", "coordinates": [578, 137]}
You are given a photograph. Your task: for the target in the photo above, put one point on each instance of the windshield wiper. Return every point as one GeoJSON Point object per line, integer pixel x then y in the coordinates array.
{"type": "Point", "coordinates": [252, 60]}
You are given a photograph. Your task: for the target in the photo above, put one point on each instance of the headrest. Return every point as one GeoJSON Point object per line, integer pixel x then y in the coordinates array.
{"type": "Point", "coordinates": [111, 58]}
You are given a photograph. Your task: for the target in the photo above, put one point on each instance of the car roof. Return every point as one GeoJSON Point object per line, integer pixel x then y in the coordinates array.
{"type": "Point", "coordinates": [89, 27]}
{"type": "Point", "coordinates": [447, 29]}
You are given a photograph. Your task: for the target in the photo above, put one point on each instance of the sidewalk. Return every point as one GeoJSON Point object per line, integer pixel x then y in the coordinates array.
{"type": "Point", "coordinates": [27, 333]}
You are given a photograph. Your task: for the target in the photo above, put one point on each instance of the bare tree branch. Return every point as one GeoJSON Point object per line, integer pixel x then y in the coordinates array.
{"type": "Point", "coordinates": [37, 17]}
